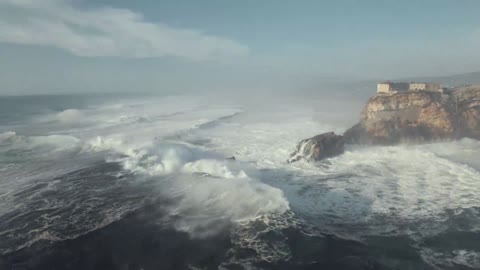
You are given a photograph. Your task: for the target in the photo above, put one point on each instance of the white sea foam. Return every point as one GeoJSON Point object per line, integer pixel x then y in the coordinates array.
{"type": "Point", "coordinates": [38, 146]}
{"type": "Point", "coordinates": [69, 115]}
{"type": "Point", "coordinates": [452, 258]}
{"type": "Point", "coordinates": [384, 186]}
{"type": "Point", "coordinates": [411, 182]}
{"type": "Point", "coordinates": [211, 191]}
{"type": "Point", "coordinates": [209, 203]}
{"type": "Point", "coordinates": [264, 236]}
{"type": "Point", "coordinates": [6, 136]}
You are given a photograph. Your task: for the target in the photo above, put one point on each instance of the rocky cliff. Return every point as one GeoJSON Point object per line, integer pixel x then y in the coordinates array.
{"type": "Point", "coordinates": [418, 116]}
{"type": "Point", "coordinates": [468, 99]}
{"type": "Point", "coordinates": [412, 117]}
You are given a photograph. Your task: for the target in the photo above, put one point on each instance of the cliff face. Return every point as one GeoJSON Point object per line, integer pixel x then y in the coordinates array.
{"type": "Point", "coordinates": [418, 117]}
{"type": "Point", "coordinates": [468, 99]}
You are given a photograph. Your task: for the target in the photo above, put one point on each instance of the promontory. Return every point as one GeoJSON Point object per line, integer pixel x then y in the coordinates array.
{"type": "Point", "coordinates": [404, 113]}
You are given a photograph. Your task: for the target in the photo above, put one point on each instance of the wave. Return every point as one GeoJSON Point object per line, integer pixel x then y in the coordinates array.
{"type": "Point", "coordinates": [19, 147]}
{"type": "Point", "coordinates": [210, 190]}
{"type": "Point", "coordinates": [6, 136]}
{"type": "Point", "coordinates": [70, 115]}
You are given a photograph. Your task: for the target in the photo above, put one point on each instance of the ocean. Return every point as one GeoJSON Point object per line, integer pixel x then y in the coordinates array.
{"type": "Point", "coordinates": [192, 182]}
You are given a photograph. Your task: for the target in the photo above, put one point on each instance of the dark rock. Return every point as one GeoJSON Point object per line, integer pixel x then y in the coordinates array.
{"type": "Point", "coordinates": [319, 147]}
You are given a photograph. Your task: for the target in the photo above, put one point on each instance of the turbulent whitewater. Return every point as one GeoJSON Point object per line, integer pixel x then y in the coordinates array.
{"type": "Point", "coordinates": [147, 182]}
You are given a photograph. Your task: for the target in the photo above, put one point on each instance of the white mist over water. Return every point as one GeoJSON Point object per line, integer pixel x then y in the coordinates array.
{"type": "Point", "coordinates": [182, 144]}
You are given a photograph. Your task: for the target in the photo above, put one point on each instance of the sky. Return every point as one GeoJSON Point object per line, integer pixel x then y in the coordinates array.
{"type": "Point", "coordinates": [87, 46]}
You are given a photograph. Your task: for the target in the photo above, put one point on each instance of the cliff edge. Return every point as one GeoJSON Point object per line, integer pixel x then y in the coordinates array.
{"type": "Point", "coordinates": [418, 116]}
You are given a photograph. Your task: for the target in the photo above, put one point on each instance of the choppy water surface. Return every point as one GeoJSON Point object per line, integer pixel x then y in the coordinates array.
{"type": "Point", "coordinates": [96, 182]}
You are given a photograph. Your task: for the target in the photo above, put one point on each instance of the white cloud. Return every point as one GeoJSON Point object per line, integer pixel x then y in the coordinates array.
{"type": "Point", "coordinates": [105, 32]}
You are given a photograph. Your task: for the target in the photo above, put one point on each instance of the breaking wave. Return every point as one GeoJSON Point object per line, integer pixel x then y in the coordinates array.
{"type": "Point", "coordinates": [211, 190]}
{"type": "Point", "coordinates": [31, 147]}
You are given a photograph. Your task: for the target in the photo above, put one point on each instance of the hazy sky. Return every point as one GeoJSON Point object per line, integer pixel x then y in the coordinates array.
{"type": "Point", "coordinates": [63, 46]}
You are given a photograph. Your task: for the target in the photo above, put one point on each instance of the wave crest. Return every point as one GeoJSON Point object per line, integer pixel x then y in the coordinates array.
{"type": "Point", "coordinates": [210, 191]}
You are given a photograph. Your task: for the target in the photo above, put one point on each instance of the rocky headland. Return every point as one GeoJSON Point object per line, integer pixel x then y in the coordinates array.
{"type": "Point", "coordinates": [404, 117]}
{"type": "Point", "coordinates": [418, 116]}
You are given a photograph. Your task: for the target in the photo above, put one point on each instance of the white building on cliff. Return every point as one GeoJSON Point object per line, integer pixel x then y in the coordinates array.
{"type": "Point", "coordinates": [425, 86]}
{"type": "Point", "coordinates": [395, 87]}
{"type": "Point", "coordinates": [391, 87]}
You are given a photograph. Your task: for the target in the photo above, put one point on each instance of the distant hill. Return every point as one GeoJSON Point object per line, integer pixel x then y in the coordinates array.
{"type": "Point", "coordinates": [452, 80]}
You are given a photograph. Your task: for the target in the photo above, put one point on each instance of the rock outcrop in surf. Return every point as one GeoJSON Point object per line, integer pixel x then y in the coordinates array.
{"type": "Point", "coordinates": [319, 147]}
